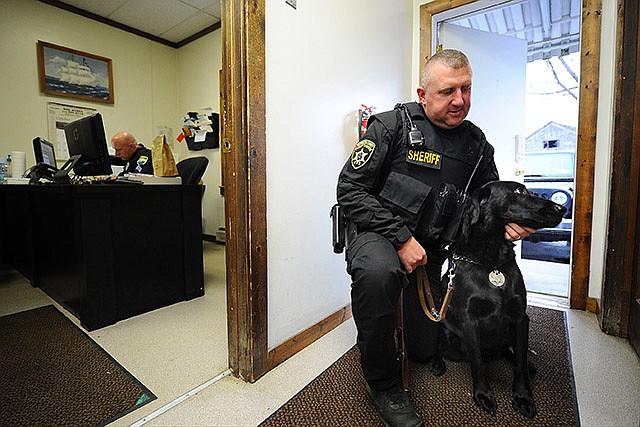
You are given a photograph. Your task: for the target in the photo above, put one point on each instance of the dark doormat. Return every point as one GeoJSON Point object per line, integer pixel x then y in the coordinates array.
{"type": "Point", "coordinates": [54, 374]}
{"type": "Point", "coordinates": [338, 397]}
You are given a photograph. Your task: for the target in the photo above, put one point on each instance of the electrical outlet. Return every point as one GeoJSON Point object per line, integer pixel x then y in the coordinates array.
{"type": "Point", "coordinates": [292, 3]}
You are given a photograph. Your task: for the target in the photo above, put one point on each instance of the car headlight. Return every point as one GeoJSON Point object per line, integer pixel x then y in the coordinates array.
{"type": "Point", "coordinates": [560, 197]}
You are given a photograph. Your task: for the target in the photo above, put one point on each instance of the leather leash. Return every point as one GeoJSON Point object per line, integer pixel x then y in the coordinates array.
{"type": "Point", "coordinates": [431, 312]}
{"type": "Point", "coordinates": [428, 305]}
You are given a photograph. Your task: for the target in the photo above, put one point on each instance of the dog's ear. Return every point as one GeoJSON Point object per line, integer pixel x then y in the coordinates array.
{"type": "Point", "coordinates": [483, 193]}
{"type": "Point", "coordinates": [470, 217]}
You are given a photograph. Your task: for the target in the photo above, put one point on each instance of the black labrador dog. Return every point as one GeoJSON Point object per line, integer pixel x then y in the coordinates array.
{"type": "Point", "coordinates": [487, 317]}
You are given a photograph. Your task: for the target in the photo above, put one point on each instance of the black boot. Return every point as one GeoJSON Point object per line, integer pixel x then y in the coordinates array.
{"type": "Point", "coordinates": [395, 407]}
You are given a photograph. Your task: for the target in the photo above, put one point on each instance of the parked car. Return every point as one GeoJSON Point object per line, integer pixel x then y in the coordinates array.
{"type": "Point", "coordinates": [550, 174]}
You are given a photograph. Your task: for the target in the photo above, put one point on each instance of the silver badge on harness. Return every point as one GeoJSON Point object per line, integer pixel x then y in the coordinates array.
{"type": "Point", "coordinates": [496, 278]}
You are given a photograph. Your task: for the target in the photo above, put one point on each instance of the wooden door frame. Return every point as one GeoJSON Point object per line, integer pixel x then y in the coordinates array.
{"type": "Point", "coordinates": [244, 169]}
{"type": "Point", "coordinates": [586, 141]}
{"type": "Point", "coordinates": [244, 172]}
{"type": "Point", "coordinates": [622, 257]}
{"type": "Point", "coordinates": [634, 309]}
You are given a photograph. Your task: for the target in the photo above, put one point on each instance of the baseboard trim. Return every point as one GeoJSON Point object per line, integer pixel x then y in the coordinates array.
{"type": "Point", "coordinates": [209, 238]}
{"type": "Point", "coordinates": [593, 305]}
{"type": "Point", "coordinates": [293, 345]}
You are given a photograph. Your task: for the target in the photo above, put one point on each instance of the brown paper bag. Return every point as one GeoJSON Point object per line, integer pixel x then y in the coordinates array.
{"type": "Point", "coordinates": [163, 161]}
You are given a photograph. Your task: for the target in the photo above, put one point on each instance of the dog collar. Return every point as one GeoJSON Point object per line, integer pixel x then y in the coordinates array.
{"type": "Point", "coordinates": [496, 277]}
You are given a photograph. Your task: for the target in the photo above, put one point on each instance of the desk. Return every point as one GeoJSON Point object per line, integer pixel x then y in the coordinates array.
{"type": "Point", "coordinates": [105, 252]}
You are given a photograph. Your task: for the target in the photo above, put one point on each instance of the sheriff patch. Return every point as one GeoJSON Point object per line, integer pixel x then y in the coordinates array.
{"type": "Point", "coordinates": [362, 153]}
{"type": "Point", "coordinates": [425, 158]}
{"type": "Point", "coordinates": [142, 160]}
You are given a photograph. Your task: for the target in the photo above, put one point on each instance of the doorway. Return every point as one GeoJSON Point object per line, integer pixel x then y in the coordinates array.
{"type": "Point", "coordinates": [534, 21]}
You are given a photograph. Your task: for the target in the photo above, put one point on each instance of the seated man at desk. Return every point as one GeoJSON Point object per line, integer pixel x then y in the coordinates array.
{"type": "Point", "coordinates": [135, 158]}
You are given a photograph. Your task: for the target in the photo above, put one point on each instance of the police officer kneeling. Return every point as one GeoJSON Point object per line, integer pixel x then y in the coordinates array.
{"type": "Point", "coordinates": [387, 190]}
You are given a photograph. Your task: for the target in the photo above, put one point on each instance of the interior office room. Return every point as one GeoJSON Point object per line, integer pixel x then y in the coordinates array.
{"type": "Point", "coordinates": [275, 313]}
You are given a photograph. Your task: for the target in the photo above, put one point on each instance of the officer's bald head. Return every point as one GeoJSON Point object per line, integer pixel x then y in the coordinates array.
{"type": "Point", "coordinates": [451, 58]}
{"type": "Point", "coordinates": [124, 144]}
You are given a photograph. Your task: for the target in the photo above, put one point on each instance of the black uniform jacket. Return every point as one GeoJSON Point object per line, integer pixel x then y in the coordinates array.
{"type": "Point", "coordinates": [388, 187]}
{"type": "Point", "coordinates": [139, 162]}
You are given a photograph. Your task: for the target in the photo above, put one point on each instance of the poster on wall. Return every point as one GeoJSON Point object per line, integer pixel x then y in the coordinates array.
{"type": "Point", "coordinates": [58, 115]}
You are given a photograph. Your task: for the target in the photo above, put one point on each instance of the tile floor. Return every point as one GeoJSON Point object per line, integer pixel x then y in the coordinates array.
{"type": "Point", "coordinates": [180, 354]}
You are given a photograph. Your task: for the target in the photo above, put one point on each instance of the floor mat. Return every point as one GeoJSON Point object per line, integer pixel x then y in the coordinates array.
{"type": "Point", "coordinates": [53, 373]}
{"type": "Point", "coordinates": [338, 398]}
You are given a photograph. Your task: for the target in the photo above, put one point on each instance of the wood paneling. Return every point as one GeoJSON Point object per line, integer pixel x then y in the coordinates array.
{"type": "Point", "coordinates": [634, 309]}
{"type": "Point", "coordinates": [622, 243]}
{"type": "Point", "coordinates": [585, 152]}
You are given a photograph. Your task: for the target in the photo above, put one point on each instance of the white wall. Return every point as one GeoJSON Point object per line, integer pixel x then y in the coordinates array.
{"type": "Point", "coordinates": [604, 136]}
{"type": "Point", "coordinates": [143, 74]}
{"type": "Point", "coordinates": [199, 64]}
{"type": "Point", "coordinates": [151, 81]}
{"type": "Point", "coordinates": [322, 61]}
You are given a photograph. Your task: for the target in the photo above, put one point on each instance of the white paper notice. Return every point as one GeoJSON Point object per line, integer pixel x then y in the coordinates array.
{"type": "Point", "coordinates": [201, 135]}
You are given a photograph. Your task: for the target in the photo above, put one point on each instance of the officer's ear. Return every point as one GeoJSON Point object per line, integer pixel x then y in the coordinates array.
{"type": "Point", "coordinates": [422, 95]}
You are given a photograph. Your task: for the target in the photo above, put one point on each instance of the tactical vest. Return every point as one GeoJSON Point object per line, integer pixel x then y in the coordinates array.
{"type": "Point", "coordinates": [414, 174]}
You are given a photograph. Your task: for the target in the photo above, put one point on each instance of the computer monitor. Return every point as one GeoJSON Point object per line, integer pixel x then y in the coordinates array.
{"type": "Point", "coordinates": [44, 152]}
{"type": "Point", "coordinates": [88, 146]}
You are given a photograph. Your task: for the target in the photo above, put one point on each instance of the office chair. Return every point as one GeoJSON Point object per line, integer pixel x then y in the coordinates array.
{"type": "Point", "coordinates": [192, 169]}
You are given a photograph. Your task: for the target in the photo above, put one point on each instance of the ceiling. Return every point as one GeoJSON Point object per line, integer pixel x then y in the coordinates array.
{"type": "Point", "coordinates": [171, 22]}
{"type": "Point", "coordinates": [551, 27]}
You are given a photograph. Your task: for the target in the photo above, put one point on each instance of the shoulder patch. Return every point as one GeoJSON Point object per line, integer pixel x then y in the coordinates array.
{"type": "Point", "coordinates": [362, 153]}
{"type": "Point", "coordinates": [142, 160]}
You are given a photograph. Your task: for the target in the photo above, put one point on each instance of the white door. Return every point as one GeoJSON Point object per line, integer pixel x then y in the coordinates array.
{"type": "Point", "coordinates": [498, 90]}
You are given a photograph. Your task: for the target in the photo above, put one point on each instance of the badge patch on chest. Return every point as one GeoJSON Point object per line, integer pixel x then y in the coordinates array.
{"type": "Point", "coordinates": [426, 158]}
{"type": "Point", "coordinates": [362, 153]}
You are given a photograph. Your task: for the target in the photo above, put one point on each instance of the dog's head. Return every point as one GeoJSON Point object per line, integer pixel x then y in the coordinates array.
{"type": "Point", "coordinates": [497, 203]}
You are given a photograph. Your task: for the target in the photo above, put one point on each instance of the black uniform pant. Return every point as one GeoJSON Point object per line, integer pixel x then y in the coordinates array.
{"type": "Point", "coordinates": [377, 280]}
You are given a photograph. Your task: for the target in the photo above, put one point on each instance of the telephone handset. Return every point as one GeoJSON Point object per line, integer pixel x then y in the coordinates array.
{"type": "Point", "coordinates": [40, 171]}
{"type": "Point", "coordinates": [43, 172]}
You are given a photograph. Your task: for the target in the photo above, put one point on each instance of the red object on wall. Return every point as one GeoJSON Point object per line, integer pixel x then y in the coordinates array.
{"type": "Point", "coordinates": [363, 119]}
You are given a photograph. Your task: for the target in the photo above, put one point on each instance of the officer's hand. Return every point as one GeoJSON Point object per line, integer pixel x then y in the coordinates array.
{"type": "Point", "coordinates": [412, 254]}
{"type": "Point", "coordinates": [513, 232]}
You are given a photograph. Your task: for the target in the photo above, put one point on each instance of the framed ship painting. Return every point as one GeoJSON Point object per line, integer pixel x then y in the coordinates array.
{"type": "Point", "coordinates": [74, 74]}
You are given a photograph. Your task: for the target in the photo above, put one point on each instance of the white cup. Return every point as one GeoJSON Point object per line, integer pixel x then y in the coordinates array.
{"type": "Point", "coordinates": [18, 163]}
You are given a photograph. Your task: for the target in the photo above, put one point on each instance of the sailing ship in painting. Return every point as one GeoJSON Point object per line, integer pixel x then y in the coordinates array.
{"type": "Point", "coordinates": [76, 74]}
{"type": "Point", "coordinates": [71, 74]}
